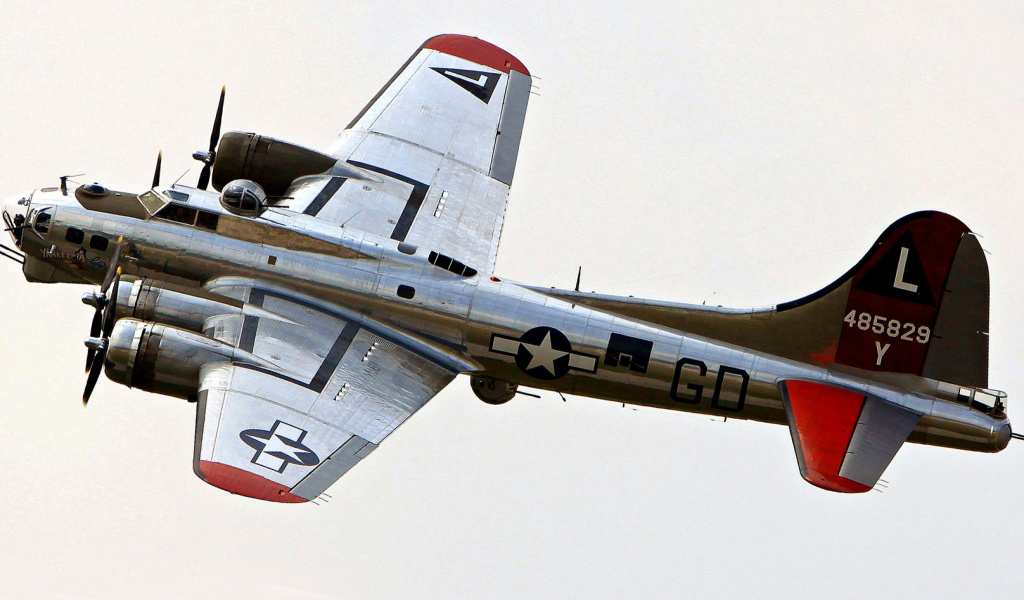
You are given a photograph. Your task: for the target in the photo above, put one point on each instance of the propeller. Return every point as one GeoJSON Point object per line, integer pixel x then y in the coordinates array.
{"type": "Point", "coordinates": [102, 322]}
{"type": "Point", "coordinates": [156, 175]}
{"type": "Point", "coordinates": [64, 182]}
{"type": "Point", "coordinates": [100, 301]}
{"type": "Point", "coordinates": [208, 156]}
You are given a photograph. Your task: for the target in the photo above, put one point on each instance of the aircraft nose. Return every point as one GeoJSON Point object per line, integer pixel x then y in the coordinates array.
{"type": "Point", "coordinates": [15, 210]}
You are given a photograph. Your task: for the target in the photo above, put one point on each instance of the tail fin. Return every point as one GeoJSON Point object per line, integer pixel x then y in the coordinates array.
{"type": "Point", "coordinates": [917, 303]}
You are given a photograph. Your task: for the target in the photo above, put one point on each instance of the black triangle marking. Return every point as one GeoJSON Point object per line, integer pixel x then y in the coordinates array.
{"type": "Point", "coordinates": [899, 274]}
{"type": "Point", "coordinates": [479, 83]}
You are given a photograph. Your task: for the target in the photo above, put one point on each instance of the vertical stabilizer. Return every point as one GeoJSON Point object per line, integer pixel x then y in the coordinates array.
{"type": "Point", "coordinates": [918, 303]}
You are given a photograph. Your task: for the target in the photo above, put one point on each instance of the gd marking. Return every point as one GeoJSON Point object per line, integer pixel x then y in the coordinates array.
{"type": "Point", "coordinates": [727, 401]}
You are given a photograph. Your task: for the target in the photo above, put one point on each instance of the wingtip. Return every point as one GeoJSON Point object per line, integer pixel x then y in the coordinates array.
{"type": "Point", "coordinates": [244, 483]}
{"type": "Point", "coordinates": [476, 50]}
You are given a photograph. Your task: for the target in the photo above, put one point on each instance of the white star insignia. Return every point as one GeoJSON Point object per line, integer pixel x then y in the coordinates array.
{"type": "Point", "coordinates": [543, 355]}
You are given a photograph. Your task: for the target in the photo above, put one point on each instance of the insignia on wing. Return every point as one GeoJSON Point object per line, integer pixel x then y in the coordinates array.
{"type": "Point", "coordinates": [478, 83]}
{"type": "Point", "coordinates": [279, 447]}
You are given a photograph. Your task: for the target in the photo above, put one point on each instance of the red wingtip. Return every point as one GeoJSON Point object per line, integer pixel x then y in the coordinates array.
{"type": "Point", "coordinates": [244, 483]}
{"type": "Point", "coordinates": [478, 51]}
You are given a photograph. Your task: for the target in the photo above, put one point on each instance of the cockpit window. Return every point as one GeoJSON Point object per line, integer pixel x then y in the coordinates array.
{"type": "Point", "coordinates": [152, 202]}
{"type": "Point", "coordinates": [176, 195]}
{"type": "Point", "coordinates": [42, 223]}
{"type": "Point", "coordinates": [178, 214]}
{"type": "Point", "coordinates": [187, 215]}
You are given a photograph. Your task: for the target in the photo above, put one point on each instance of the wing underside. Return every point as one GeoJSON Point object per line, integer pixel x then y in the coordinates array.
{"type": "Point", "coordinates": [340, 388]}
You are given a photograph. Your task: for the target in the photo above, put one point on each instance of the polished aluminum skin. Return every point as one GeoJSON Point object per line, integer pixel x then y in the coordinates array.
{"type": "Point", "coordinates": [308, 330]}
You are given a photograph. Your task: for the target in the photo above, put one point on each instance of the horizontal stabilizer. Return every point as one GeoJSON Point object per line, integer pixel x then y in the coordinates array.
{"type": "Point", "coordinates": [844, 440]}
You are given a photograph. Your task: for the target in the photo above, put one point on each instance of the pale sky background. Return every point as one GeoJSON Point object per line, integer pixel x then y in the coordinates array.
{"type": "Point", "coordinates": [734, 153]}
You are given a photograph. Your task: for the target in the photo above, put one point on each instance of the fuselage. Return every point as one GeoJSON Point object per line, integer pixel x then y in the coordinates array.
{"type": "Point", "coordinates": [499, 328]}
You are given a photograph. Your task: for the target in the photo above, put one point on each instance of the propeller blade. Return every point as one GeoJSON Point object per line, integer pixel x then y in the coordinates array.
{"type": "Point", "coordinates": [156, 175]}
{"type": "Point", "coordinates": [94, 332]}
{"type": "Point", "coordinates": [215, 135]}
{"type": "Point", "coordinates": [94, 375]}
{"type": "Point", "coordinates": [204, 177]}
{"type": "Point", "coordinates": [210, 155]}
{"type": "Point", "coordinates": [111, 308]}
{"type": "Point", "coordinates": [97, 323]}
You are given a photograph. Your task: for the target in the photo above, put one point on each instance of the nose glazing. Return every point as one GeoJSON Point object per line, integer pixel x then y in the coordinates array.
{"type": "Point", "coordinates": [14, 216]}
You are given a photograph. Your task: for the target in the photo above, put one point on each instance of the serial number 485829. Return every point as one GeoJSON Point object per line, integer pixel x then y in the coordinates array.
{"type": "Point", "coordinates": [891, 327]}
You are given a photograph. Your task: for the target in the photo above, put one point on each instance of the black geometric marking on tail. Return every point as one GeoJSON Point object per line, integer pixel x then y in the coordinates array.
{"type": "Point", "coordinates": [899, 274]}
{"type": "Point", "coordinates": [828, 289]}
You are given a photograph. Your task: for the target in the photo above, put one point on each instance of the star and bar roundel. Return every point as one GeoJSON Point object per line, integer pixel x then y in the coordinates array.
{"type": "Point", "coordinates": [279, 447]}
{"type": "Point", "coordinates": [544, 353]}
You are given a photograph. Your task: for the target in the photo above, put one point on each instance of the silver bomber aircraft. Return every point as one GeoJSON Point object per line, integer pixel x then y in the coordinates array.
{"type": "Point", "coordinates": [318, 299]}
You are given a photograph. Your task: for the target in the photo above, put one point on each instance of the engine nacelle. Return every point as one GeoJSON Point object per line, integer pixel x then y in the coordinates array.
{"type": "Point", "coordinates": [492, 391]}
{"type": "Point", "coordinates": [271, 163]}
{"type": "Point", "coordinates": [145, 300]}
{"type": "Point", "coordinates": [165, 360]}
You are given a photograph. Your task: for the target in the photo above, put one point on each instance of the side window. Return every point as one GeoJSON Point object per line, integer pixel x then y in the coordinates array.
{"type": "Point", "coordinates": [178, 214]}
{"type": "Point", "coordinates": [443, 261]}
{"type": "Point", "coordinates": [207, 220]}
{"type": "Point", "coordinates": [450, 264]}
{"type": "Point", "coordinates": [98, 242]}
{"type": "Point", "coordinates": [75, 236]}
{"type": "Point", "coordinates": [42, 222]}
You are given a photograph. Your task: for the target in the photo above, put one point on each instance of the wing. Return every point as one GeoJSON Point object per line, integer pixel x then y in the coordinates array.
{"type": "Point", "coordinates": [430, 159]}
{"type": "Point", "coordinates": [341, 386]}
{"type": "Point", "coordinates": [844, 440]}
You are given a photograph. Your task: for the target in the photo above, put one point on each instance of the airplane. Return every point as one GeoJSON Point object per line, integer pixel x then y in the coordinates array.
{"type": "Point", "coordinates": [313, 301]}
